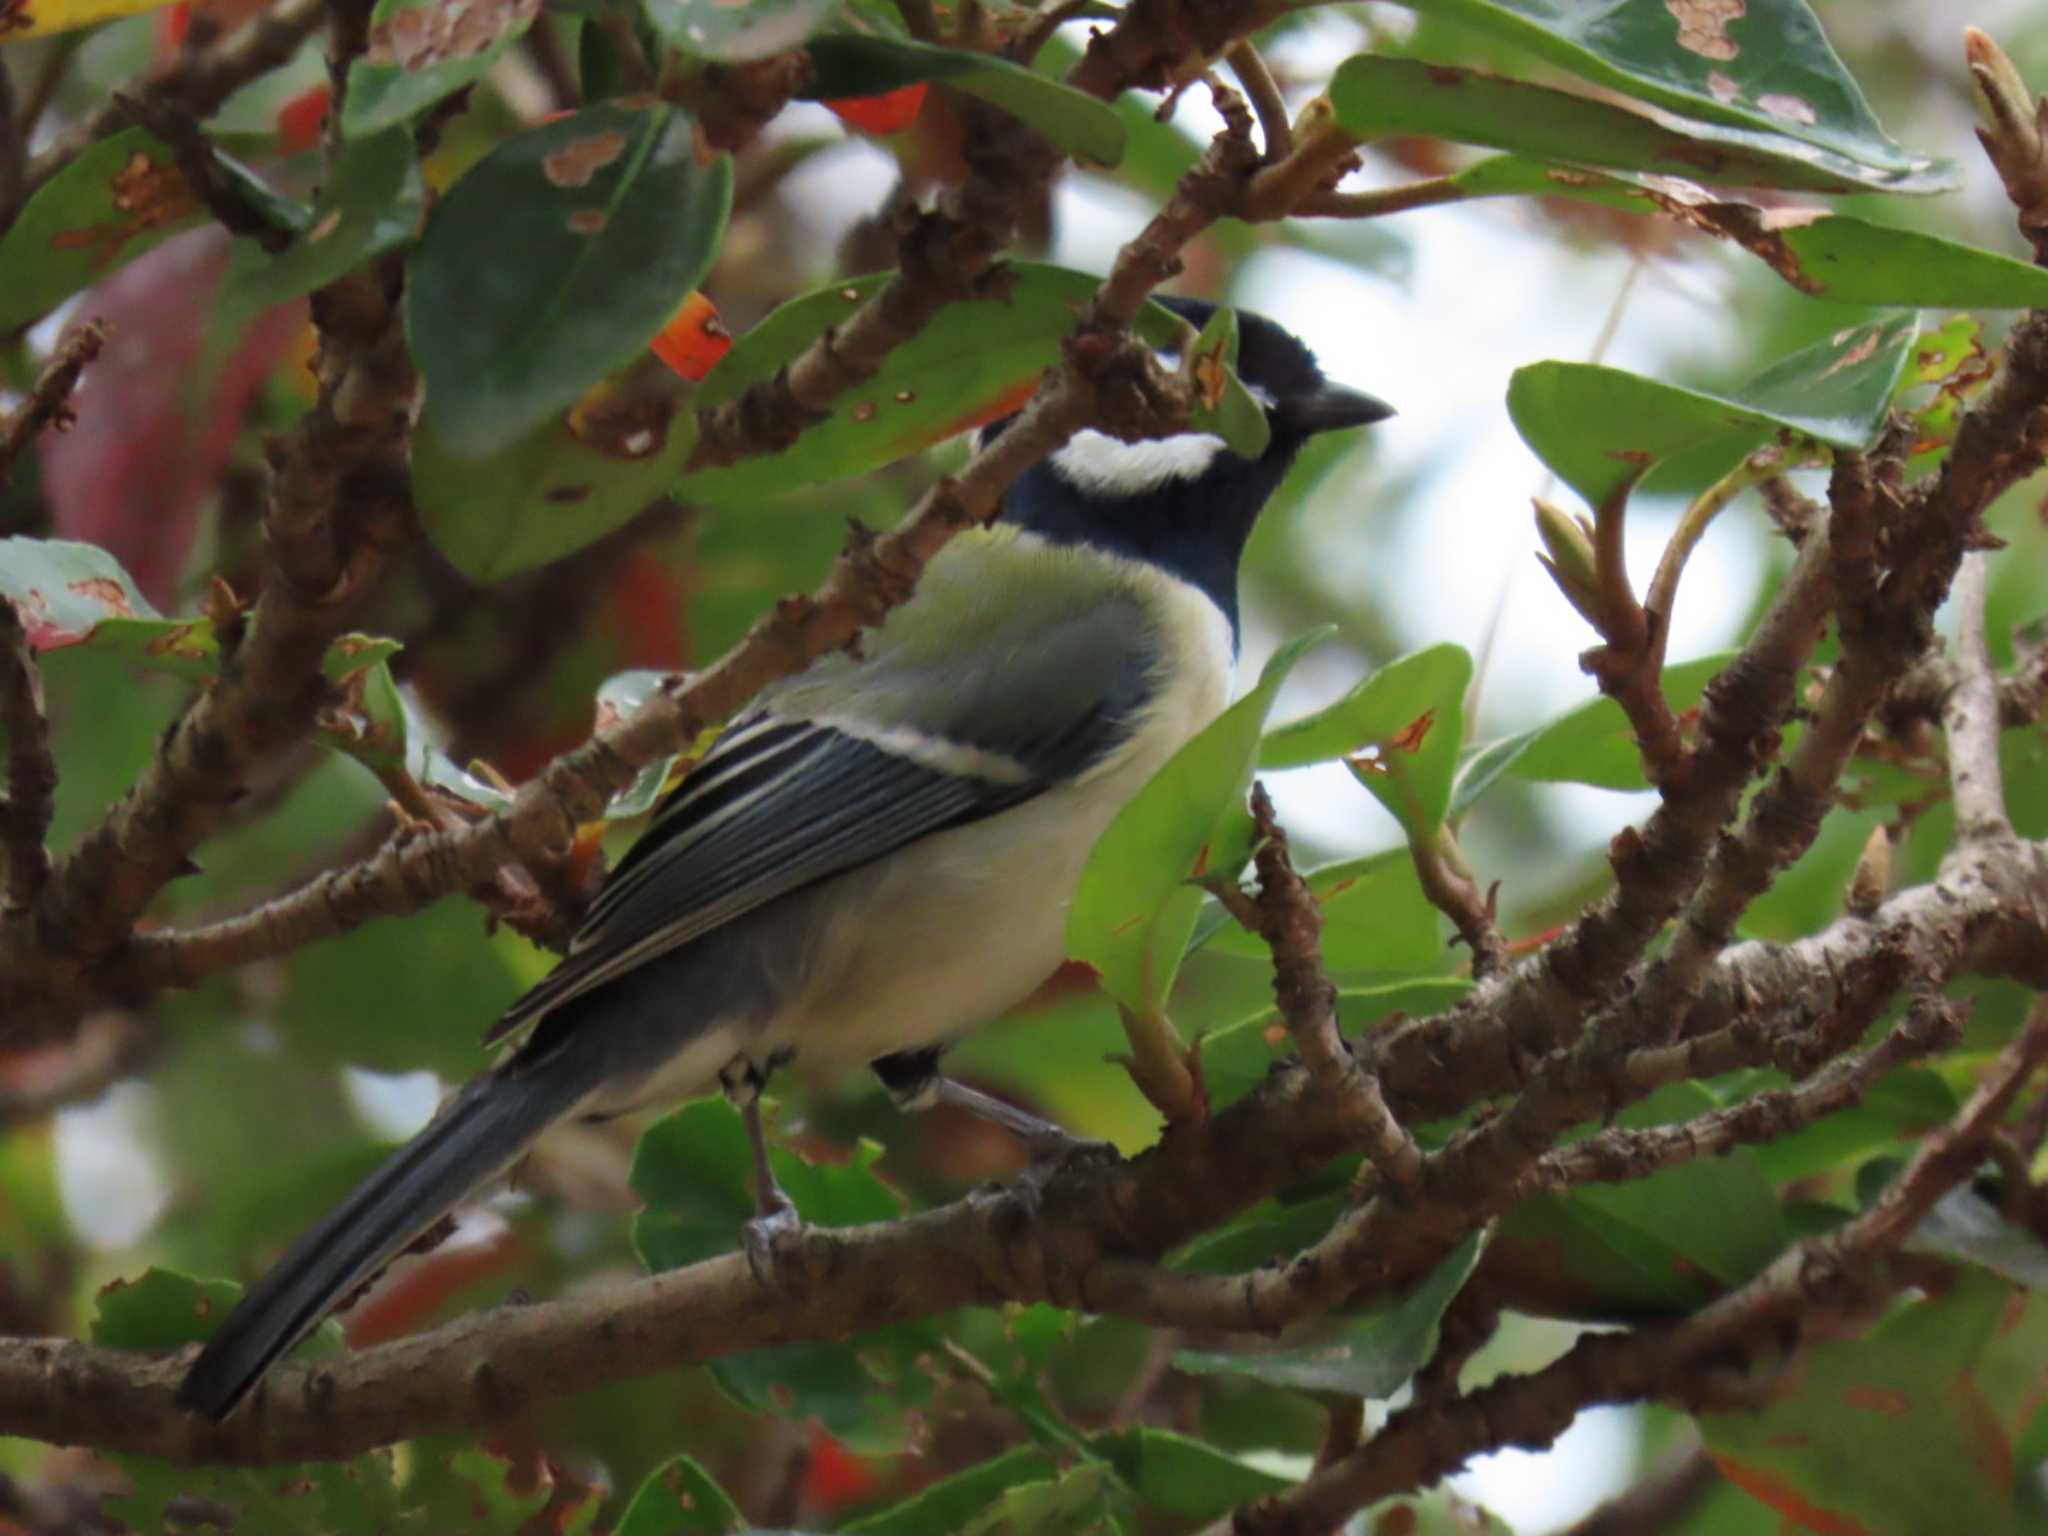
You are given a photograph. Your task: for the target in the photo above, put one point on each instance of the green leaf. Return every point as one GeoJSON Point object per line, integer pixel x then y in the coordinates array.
{"type": "Point", "coordinates": [1376, 96]}
{"type": "Point", "coordinates": [554, 261]}
{"type": "Point", "coordinates": [422, 51]}
{"type": "Point", "coordinates": [849, 64]}
{"type": "Point", "coordinates": [1136, 905]}
{"type": "Point", "coordinates": [455, 1487]}
{"type": "Point", "coordinates": [679, 1498]}
{"type": "Point", "coordinates": [694, 1170]}
{"type": "Point", "coordinates": [560, 486]}
{"type": "Point", "coordinates": [1375, 917]}
{"type": "Point", "coordinates": [1074, 1503]}
{"type": "Point", "coordinates": [77, 594]}
{"type": "Point", "coordinates": [1235, 417]}
{"type": "Point", "coordinates": [1766, 67]}
{"type": "Point", "coordinates": [974, 362]}
{"type": "Point", "coordinates": [162, 1309]}
{"type": "Point", "coordinates": [1183, 1478]}
{"type": "Point", "coordinates": [1889, 1432]}
{"type": "Point", "coordinates": [1903, 1105]}
{"type": "Point", "coordinates": [1480, 767]}
{"type": "Point", "coordinates": [1261, 1236]}
{"type": "Point", "coordinates": [1594, 745]}
{"type": "Point", "coordinates": [119, 198]}
{"type": "Point", "coordinates": [1408, 719]}
{"type": "Point", "coordinates": [1660, 1246]}
{"type": "Point", "coordinates": [1600, 428]}
{"type": "Point", "coordinates": [734, 34]}
{"type": "Point", "coordinates": [950, 1505]}
{"type": "Point", "coordinates": [1371, 1356]}
{"type": "Point", "coordinates": [373, 203]}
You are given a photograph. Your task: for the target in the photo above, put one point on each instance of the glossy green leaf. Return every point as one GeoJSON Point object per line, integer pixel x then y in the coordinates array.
{"type": "Point", "coordinates": [1137, 904]}
{"type": "Point", "coordinates": [1594, 745]}
{"type": "Point", "coordinates": [1401, 728]}
{"type": "Point", "coordinates": [1270, 1233]}
{"type": "Point", "coordinates": [951, 1505]}
{"type": "Point", "coordinates": [554, 261]}
{"type": "Point", "coordinates": [734, 33]}
{"type": "Point", "coordinates": [422, 51]}
{"type": "Point", "coordinates": [1600, 428]}
{"type": "Point", "coordinates": [1765, 66]}
{"type": "Point", "coordinates": [1376, 96]}
{"type": "Point", "coordinates": [975, 361]}
{"type": "Point", "coordinates": [1890, 1431]}
{"type": "Point", "coordinates": [1375, 917]}
{"type": "Point", "coordinates": [679, 1498]}
{"type": "Point", "coordinates": [850, 64]}
{"type": "Point", "coordinates": [373, 203]}
{"type": "Point", "coordinates": [119, 198]}
{"type": "Point", "coordinates": [694, 1170]}
{"type": "Point", "coordinates": [1371, 1356]}
{"type": "Point", "coordinates": [558, 487]}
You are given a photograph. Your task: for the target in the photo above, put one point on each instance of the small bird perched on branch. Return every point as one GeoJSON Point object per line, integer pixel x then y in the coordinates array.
{"type": "Point", "coordinates": [880, 853]}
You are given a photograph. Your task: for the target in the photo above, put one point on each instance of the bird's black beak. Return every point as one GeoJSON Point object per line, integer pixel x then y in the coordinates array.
{"type": "Point", "coordinates": [1333, 408]}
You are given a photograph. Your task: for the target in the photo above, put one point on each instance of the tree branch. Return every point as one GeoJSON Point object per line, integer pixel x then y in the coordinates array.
{"type": "Point", "coordinates": [1972, 717]}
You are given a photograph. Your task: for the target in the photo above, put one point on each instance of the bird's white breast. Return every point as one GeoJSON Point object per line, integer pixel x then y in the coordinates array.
{"type": "Point", "coordinates": [962, 925]}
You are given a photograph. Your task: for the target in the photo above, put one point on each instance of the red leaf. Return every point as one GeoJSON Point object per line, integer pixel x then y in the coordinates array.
{"type": "Point", "coordinates": [157, 416]}
{"type": "Point", "coordinates": [891, 112]}
{"type": "Point", "coordinates": [694, 340]}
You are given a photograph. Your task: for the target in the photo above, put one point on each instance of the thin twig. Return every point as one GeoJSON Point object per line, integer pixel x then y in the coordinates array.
{"type": "Point", "coordinates": [1259, 85]}
{"type": "Point", "coordinates": [49, 398]}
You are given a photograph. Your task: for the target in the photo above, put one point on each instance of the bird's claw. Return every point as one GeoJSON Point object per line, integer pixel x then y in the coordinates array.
{"type": "Point", "coordinates": [767, 1240]}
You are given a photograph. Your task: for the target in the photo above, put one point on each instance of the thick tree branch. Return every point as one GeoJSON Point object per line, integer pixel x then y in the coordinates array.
{"type": "Point", "coordinates": [1819, 1283]}
{"type": "Point", "coordinates": [1093, 1243]}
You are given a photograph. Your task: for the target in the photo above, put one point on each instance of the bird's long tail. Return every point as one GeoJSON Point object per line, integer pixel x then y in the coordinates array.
{"type": "Point", "coordinates": [477, 1135]}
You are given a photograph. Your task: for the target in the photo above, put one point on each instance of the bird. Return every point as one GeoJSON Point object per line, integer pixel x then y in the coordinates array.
{"type": "Point", "coordinates": [878, 854]}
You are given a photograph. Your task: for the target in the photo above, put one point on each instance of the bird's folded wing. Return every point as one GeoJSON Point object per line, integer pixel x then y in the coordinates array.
{"type": "Point", "coordinates": [779, 803]}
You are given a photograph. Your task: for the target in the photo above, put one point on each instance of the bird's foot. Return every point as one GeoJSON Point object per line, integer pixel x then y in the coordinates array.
{"type": "Point", "coordinates": [769, 1238]}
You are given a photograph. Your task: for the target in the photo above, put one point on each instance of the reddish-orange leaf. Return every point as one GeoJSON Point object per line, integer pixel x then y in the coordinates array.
{"type": "Point", "coordinates": [300, 120]}
{"type": "Point", "coordinates": [891, 112]}
{"type": "Point", "coordinates": [694, 340]}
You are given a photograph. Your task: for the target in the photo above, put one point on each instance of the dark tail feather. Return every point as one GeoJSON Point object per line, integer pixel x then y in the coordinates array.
{"type": "Point", "coordinates": [476, 1137]}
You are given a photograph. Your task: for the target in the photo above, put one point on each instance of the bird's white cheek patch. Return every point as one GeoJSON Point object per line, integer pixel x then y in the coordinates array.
{"type": "Point", "coordinates": [1102, 465]}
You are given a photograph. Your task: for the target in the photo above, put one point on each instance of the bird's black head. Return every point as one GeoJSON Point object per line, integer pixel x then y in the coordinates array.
{"type": "Point", "coordinates": [1187, 503]}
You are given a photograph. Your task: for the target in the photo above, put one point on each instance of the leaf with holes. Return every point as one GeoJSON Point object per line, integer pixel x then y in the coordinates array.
{"type": "Point", "coordinates": [1137, 903]}
{"type": "Point", "coordinates": [849, 64]}
{"type": "Point", "coordinates": [553, 262]}
{"type": "Point", "coordinates": [1601, 428]}
{"type": "Point", "coordinates": [423, 51]}
{"type": "Point", "coordinates": [1400, 729]}
{"type": "Point", "coordinates": [119, 198]}
{"type": "Point", "coordinates": [1763, 65]}
{"type": "Point", "coordinates": [1376, 96]}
